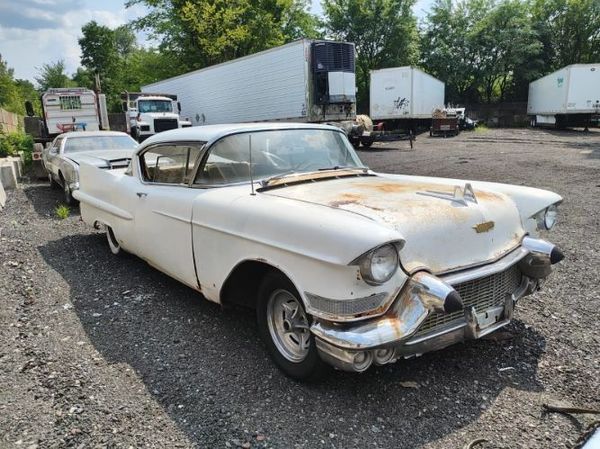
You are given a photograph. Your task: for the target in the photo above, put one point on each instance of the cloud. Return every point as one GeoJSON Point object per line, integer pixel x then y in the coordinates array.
{"type": "Point", "coordinates": [36, 32]}
{"type": "Point", "coordinates": [36, 14]}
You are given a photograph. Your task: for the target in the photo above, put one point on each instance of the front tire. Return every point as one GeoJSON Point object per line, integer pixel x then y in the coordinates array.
{"type": "Point", "coordinates": [69, 200]}
{"type": "Point", "coordinates": [284, 326]}
{"type": "Point", "coordinates": [53, 183]}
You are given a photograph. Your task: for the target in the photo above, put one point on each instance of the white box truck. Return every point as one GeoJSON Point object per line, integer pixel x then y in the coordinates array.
{"type": "Point", "coordinates": [303, 81]}
{"type": "Point", "coordinates": [406, 95]}
{"type": "Point", "coordinates": [67, 109]}
{"type": "Point", "coordinates": [568, 97]}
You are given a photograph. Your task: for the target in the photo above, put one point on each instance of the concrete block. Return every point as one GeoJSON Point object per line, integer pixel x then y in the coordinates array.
{"type": "Point", "coordinates": [2, 197]}
{"type": "Point", "coordinates": [11, 170]}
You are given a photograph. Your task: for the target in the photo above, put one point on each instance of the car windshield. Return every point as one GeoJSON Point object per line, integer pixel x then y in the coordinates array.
{"type": "Point", "coordinates": [276, 153]}
{"type": "Point", "coordinates": [92, 143]}
{"type": "Point", "coordinates": [155, 106]}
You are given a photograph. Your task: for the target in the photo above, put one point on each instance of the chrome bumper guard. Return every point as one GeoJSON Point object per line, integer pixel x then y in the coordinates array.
{"type": "Point", "coordinates": [354, 347]}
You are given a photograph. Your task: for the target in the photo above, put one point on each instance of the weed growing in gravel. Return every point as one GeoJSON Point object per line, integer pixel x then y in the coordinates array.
{"type": "Point", "coordinates": [62, 211]}
{"type": "Point", "coordinates": [481, 128]}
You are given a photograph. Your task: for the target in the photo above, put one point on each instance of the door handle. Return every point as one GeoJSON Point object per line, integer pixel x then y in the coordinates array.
{"type": "Point", "coordinates": [142, 194]}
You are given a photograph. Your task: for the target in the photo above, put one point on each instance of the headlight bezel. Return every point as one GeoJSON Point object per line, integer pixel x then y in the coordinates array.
{"type": "Point", "coordinates": [547, 218]}
{"type": "Point", "coordinates": [365, 263]}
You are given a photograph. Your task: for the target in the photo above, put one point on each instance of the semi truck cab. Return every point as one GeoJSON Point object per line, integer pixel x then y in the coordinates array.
{"type": "Point", "coordinates": [148, 114]}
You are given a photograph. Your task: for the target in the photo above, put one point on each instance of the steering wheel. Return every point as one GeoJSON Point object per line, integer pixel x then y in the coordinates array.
{"type": "Point", "coordinates": [308, 165]}
{"type": "Point", "coordinates": [277, 161]}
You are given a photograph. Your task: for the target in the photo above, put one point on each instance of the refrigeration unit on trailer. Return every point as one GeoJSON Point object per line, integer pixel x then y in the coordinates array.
{"type": "Point", "coordinates": [568, 97]}
{"type": "Point", "coordinates": [303, 81]}
{"type": "Point", "coordinates": [404, 96]}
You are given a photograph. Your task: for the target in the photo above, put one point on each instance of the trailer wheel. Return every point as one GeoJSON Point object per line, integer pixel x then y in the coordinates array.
{"type": "Point", "coordinates": [367, 141]}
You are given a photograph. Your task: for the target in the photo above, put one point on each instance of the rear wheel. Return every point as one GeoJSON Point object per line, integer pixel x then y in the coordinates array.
{"type": "Point", "coordinates": [284, 326]}
{"type": "Point", "coordinates": [113, 243]}
{"type": "Point", "coordinates": [53, 183]}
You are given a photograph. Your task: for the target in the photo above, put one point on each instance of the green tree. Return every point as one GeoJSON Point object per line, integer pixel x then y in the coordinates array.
{"type": "Point", "coordinates": [504, 43]}
{"type": "Point", "coordinates": [569, 30]}
{"type": "Point", "coordinates": [9, 93]}
{"type": "Point", "coordinates": [53, 75]}
{"type": "Point", "coordinates": [383, 31]}
{"type": "Point", "coordinates": [199, 33]}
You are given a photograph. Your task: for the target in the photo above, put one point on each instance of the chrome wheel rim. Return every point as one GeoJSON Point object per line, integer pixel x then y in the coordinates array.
{"type": "Point", "coordinates": [288, 326]}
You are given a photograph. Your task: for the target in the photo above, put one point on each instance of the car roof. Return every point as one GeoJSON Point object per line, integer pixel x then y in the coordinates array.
{"type": "Point", "coordinates": [92, 134]}
{"type": "Point", "coordinates": [209, 133]}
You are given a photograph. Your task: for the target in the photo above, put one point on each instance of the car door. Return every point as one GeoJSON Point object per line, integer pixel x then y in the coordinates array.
{"type": "Point", "coordinates": [53, 156]}
{"type": "Point", "coordinates": [163, 214]}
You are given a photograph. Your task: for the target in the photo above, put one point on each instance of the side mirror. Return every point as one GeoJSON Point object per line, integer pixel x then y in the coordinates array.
{"type": "Point", "coordinates": [179, 107]}
{"type": "Point", "coordinates": [124, 106]}
{"type": "Point", "coordinates": [29, 108]}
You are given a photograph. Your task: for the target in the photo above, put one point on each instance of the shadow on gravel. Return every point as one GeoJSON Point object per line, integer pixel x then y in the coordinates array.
{"type": "Point", "coordinates": [45, 199]}
{"type": "Point", "coordinates": [210, 372]}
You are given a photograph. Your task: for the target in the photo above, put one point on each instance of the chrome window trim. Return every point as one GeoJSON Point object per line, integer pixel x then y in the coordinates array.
{"type": "Point", "coordinates": [141, 153]}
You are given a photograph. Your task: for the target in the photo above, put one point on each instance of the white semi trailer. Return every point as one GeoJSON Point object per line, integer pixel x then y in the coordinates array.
{"type": "Point", "coordinates": [303, 81]}
{"type": "Point", "coordinates": [404, 96]}
{"type": "Point", "coordinates": [566, 98]}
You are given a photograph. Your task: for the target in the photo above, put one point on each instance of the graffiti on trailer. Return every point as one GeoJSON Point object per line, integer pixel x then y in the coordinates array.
{"type": "Point", "coordinates": [400, 103]}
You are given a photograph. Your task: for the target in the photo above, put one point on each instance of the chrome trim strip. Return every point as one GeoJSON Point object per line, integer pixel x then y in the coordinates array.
{"type": "Point", "coordinates": [436, 334]}
{"type": "Point", "coordinates": [486, 270]}
{"type": "Point", "coordinates": [106, 207]}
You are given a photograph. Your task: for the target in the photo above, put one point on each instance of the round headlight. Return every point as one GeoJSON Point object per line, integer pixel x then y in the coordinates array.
{"type": "Point", "coordinates": [379, 265]}
{"type": "Point", "coordinates": [550, 217]}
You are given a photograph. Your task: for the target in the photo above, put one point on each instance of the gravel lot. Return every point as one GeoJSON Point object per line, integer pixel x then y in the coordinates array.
{"type": "Point", "coordinates": [98, 351]}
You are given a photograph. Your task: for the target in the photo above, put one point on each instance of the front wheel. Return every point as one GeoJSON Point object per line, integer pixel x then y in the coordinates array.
{"type": "Point", "coordinates": [69, 200]}
{"type": "Point", "coordinates": [284, 326]}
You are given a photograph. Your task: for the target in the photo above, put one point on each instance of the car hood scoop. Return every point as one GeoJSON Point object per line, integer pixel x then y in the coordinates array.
{"type": "Point", "coordinates": [446, 226]}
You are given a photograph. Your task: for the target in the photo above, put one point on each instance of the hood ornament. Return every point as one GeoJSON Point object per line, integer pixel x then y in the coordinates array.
{"type": "Point", "coordinates": [461, 195]}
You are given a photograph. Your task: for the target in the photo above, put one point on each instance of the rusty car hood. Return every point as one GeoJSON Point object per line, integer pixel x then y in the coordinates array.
{"type": "Point", "coordinates": [443, 230]}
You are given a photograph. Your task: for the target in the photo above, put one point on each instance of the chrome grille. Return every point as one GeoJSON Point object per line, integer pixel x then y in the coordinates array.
{"type": "Point", "coordinates": [347, 306]}
{"type": "Point", "coordinates": [483, 293]}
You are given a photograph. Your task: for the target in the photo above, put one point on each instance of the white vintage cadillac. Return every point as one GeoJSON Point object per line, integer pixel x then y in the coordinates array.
{"type": "Point", "coordinates": [343, 265]}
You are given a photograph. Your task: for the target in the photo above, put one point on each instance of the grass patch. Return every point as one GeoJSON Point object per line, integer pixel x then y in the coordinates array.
{"type": "Point", "coordinates": [62, 211]}
{"type": "Point", "coordinates": [481, 128]}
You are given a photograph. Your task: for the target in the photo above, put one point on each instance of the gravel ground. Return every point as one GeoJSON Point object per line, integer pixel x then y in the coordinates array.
{"type": "Point", "coordinates": [99, 351]}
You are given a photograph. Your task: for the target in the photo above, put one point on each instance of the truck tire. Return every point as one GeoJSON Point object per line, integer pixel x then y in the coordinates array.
{"type": "Point", "coordinates": [283, 325]}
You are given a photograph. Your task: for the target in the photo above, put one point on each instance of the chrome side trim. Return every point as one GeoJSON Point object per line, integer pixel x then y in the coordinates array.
{"type": "Point", "coordinates": [486, 270]}
{"type": "Point", "coordinates": [102, 205]}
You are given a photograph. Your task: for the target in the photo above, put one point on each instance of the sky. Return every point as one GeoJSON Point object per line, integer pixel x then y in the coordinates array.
{"type": "Point", "coordinates": [34, 32]}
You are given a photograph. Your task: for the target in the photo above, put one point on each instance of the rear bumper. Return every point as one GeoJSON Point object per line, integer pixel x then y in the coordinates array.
{"type": "Point", "coordinates": [405, 331]}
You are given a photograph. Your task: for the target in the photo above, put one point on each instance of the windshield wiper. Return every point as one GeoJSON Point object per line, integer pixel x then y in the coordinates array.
{"type": "Point", "coordinates": [344, 167]}
{"type": "Point", "coordinates": [267, 181]}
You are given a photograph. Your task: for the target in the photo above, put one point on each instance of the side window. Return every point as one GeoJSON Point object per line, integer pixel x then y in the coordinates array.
{"type": "Point", "coordinates": [227, 162]}
{"type": "Point", "coordinates": [170, 164]}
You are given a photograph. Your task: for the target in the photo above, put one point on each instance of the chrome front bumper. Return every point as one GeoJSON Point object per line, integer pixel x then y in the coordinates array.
{"type": "Point", "coordinates": [400, 332]}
